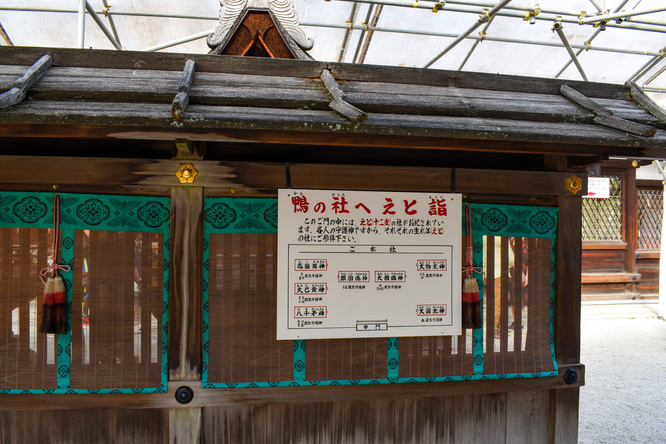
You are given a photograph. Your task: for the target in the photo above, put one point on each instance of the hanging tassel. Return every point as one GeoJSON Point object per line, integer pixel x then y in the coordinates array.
{"type": "Point", "coordinates": [54, 301]}
{"type": "Point", "coordinates": [471, 297]}
{"type": "Point", "coordinates": [48, 310]}
{"type": "Point", "coordinates": [471, 303]}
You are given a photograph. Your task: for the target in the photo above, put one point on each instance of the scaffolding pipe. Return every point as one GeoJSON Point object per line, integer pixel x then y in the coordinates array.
{"type": "Point", "coordinates": [180, 41]}
{"type": "Point", "coordinates": [107, 14]}
{"type": "Point", "coordinates": [368, 38]}
{"type": "Point", "coordinates": [99, 22]}
{"type": "Point", "coordinates": [619, 15]}
{"type": "Point", "coordinates": [492, 39]}
{"type": "Point", "coordinates": [592, 37]}
{"type": "Point", "coordinates": [557, 27]}
{"type": "Point", "coordinates": [545, 15]}
{"type": "Point", "coordinates": [476, 43]}
{"type": "Point", "coordinates": [366, 28]}
{"type": "Point", "coordinates": [348, 32]}
{"type": "Point", "coordinates": [125, 13]}
{"type": "Point", "coordinates": [655, 89]}
{"type": "Point", "coordinates": [599, 7]}
{"type": "Point", "coordinates": [82, 24]}
{"type": "Point", "coordinates": [514, 12]}
{"type": "Point", "coordinates": [5, 36]}
{"type": "Point", "coordinates": [647, 67]}
{"type": "Point", "coordinates": [482, 19]}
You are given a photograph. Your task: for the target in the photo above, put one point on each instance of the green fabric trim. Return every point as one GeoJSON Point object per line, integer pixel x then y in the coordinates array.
{"type": "Point", "coordinates": [86, 212]}
{"type": "Point", "coordinates": [228, 215]}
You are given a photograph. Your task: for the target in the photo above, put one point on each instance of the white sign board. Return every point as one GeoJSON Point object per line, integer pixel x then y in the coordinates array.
{"type": "Point", "coordinates": [598, 187]}
{"type": "Point", "coordinates": [368, 264]}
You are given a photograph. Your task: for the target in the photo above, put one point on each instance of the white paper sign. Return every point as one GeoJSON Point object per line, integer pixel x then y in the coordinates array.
{"type": "Point", "coordinates": [368, 264]}
{"type": "Point", "coordinates": [598, 187]}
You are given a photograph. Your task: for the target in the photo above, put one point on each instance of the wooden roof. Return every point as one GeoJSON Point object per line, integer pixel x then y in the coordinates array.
{"type": "Point", "coordinates": [132, 95]}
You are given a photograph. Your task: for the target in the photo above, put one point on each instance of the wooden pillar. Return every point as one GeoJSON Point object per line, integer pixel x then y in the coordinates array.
{"type": "Point", "coordinates": [630, 220]}
{"type": "Point", "coordinates": [185, 297]}
{"type": "Point", "coordinates": [185, 284]}
{"type": "Point", "coordinates": [565, 402]}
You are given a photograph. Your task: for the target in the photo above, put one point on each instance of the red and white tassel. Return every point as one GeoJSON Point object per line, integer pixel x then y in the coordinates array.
{"type": "Point", "coordinates": [471, 297]}
{"type": "Point", "coordinates": [54, 301]}
{"type": "Point", "coordinates": [471, 303]}
{"type": "Point", "coordinates": [54, 307]}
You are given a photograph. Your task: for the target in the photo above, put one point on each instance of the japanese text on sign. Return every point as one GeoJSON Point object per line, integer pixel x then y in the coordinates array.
{"type": "Point", "coordinates": [376, 264]}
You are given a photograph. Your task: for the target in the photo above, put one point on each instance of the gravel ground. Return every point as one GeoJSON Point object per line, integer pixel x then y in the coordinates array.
{"type": "Point", "coordinates": [623, 348]}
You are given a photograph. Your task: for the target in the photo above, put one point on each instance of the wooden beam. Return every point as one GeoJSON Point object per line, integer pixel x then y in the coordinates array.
{"type": "Point", "coordinates": [20, 87]}
{"type": "Point", "coordinates": [339, 104]}
{"type": "Point", "coordinates": [186, 147]}
{"type": "Point", "coordinates": [647, 148]}
{"type": "Point", "coordinates": [584, 101]}
{"type": "Point", "coordinates": [646, 102]}
{"type": "Point", "coordinates": [605, 117]}
{"type": "Point", "coordinates": [252, 178]}
{"type": "Point", "coordinates": [260, 396]}
{"type": "Point", "coordinates": [182, 99]}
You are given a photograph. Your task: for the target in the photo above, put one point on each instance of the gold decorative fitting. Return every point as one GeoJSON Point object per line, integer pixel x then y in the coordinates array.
{"type": "Point", "coordinates": [186, 173]}
{"type": "Point", "coordinates": [574, 184]}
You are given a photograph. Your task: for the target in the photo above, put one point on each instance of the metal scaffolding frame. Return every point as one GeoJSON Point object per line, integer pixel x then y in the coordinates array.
{"type": "Point", "coordinates": [601, 18]}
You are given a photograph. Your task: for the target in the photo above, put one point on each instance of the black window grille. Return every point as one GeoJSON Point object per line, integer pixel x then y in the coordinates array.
{"type": "Point", "coordinates": [602, 218]}
{"type": "Point", "coordinates": [650, 211]}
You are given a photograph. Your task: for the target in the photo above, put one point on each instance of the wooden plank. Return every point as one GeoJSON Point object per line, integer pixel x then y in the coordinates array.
{"type": "Point", "coordinates": [527, 417]}
{"type": "Point", "coordinates": [184, 426]}
{"type": "Point", "coordinates": [600, 278]}
{"type": "Point", "coordinates": [481, 418]}
{"type": "Point", "coordinates": [626, 126]}
{"type": "Point", "coordinates": [563, 418]}
{"type": "Point", "coordinates": [584, 101]}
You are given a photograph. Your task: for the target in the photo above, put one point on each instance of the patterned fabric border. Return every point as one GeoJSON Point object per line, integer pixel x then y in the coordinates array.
{"type": "Point", "coordinates": [241, 215]}
{"type": "Point", "coordinates": [90, 212]}
{"type": "Point", "coordinates": [226, 215]}
{"type": "Point", "coordinates": [86, 211]}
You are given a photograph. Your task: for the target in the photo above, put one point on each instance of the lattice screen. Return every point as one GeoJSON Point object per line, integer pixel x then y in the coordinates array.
{"type": "Point", "coordinates": [650, 213]}
{"type": "Point", "coordinates": [116, 251]}
{"type": "Point", "coordinates": [240, 346]}
{"type": "Point", "coordinates": [602, 218]}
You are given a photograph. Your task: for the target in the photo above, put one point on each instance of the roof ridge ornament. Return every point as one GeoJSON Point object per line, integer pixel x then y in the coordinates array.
{"type": "Point", "coordinates": [283, 11]}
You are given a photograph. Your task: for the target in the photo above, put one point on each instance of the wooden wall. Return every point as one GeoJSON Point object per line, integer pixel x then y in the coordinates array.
{"type": "Point", "coordinates": [519, 410]}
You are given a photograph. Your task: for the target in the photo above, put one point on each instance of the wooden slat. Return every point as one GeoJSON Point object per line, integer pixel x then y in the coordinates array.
{"type": "Point", "coordinates": [605, 278]}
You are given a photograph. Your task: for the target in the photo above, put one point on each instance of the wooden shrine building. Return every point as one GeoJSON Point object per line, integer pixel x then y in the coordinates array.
{"type": "Point", "coordinates": [167, 168]}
